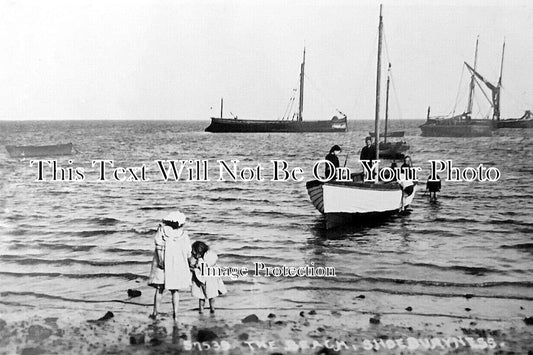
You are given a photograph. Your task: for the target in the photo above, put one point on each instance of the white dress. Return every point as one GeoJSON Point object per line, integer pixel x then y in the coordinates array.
{"type": "Point", "coordinates": [214, 286]}
{"type": "Point", "coordinates": [177, 250]}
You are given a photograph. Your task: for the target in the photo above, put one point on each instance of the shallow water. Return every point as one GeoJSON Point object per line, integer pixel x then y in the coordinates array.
{"type": "Point", "coordinates": [90, 241]}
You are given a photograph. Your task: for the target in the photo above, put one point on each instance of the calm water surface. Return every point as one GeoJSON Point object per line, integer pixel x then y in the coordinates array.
{"type": "Point", "coordinates": [74, 243]}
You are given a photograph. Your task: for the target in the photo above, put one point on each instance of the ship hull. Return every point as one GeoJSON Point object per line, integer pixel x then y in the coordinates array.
{"type": "Point", "coordinates": [449, 128]}
{"type": "Point", "coordinates": [228, 125]}
{"type": "Point", "coordinates": [515, 123]}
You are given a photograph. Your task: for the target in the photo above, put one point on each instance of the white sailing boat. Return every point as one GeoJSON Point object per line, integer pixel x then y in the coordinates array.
{"type": "Point", "coordinates": [342, 202]}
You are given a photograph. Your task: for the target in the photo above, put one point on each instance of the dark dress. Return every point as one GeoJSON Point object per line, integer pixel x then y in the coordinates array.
{"type": "Point", "coordinates": [368, 153]}
{"type": "Point", "coordinates": [434, 186]}
{"type": "Point", "coordinates": [333, 159]}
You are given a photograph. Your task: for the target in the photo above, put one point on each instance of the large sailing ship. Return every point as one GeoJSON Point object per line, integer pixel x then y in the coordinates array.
{"type": "Point", "coordinates": [463, 125]}
{"type": "Point", "coordinates": [294, 124]}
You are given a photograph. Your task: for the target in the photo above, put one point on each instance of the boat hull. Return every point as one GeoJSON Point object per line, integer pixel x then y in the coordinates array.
{"type": "Point", "coordinates": [392, 150]}
{"type": "Point", "coordinates": [39, 151]}
{"type": "Point", "coordinates": [515, 123]}
{"type": "Point", "coordinates": [228, 125]}
{"type": "Point", "coordinates": [448, 128]}
{"type": "Point", "coordinates": [351, 202]}
{"type": "Point", "coordinates": [394, 134]}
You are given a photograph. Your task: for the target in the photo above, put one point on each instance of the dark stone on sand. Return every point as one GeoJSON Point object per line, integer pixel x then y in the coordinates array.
{"type": "Point", "coordinates": [252, 318]}
{"type": "Point", "coordinates": [374, 320]}
{"type": "Point", "coordinates": [361, 296]}
{"type": "Point", "coordinates": [473, 323]}
{"type": "Point", "coordinates": [279, 322]}
{"type": "Point", "coordinates": [38, 332]}
{"type": "Point", "coordinates": [134, 293]}
{"type": "Point", "coordinates": [469, 296]}
{"type": "Point", "coordinates": [409, 309]}
{"type": "Point", "coordinates": [481, 333]}
{"type": "Point", "coordinates": [410, 329]}
{"type": "Point", "coordinates": [2, 324]}
{"type": "Point", "coordinates": [336, 313]}
{"type": "Point", "coordinates": [32, 351]}
{"type": "Point", "coordinates": [320, 329]}
{"type": "Point", "coordinates": [51, 321]}
{"type": "Point", "coordinates": [155, 342]}
{"type": "Point", "coordinates": [302, 314]}
{"type": "Point", "coordinates": [136, 339]}
{"type": "Point", "coordinates": [521, 307]}
{"type": "Point", "coordinates": [106, 316]}
{"type": "Point", "coordinates": [271, 316]}
{"type": "Point", "coordinates": [327, 351]}
{"type": "Point", "coordinates": [243, 336]}
{"type": "Point", "coordinates": [468, 309]}
{"type": "Point", "coordinates": [206, 335]}
{"type": "Point", "coordinates": [312, 312]}
{"type": "Point", "coordinates": [528, 320]}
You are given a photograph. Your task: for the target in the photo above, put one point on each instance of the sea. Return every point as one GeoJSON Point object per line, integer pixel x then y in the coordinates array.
{"type": "Point", "coordinates": [79, 244]}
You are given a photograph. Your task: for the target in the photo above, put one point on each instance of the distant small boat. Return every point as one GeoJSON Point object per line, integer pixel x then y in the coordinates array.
{"type": "Point", "coordinates": [21, 151]}
{"type": "Point", "coordinates": [393, 134]}
{"type": "Point", "coordinates": [390, 150]}
{"type": "Point", "coordinates": [296, 124]}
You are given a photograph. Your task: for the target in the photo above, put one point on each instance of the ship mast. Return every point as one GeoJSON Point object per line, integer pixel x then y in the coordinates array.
{"type": "Point", "coordinates": [472, 83]}
{"type": "Point", "coordinates": [378, 82]}
{"type": "Point", "coordinates": [301, 103]}
{"type": "Point", "coordinates": [497, 108]}
{"type": "Point", "coordinates": [387, 105]}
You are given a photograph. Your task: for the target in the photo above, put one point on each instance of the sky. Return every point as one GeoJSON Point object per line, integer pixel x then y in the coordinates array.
{"type": "Point", "coordinates": [140, 59]}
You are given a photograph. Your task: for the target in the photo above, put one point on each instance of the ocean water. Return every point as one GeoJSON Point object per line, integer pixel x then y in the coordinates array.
{"type": "Point", "coordinates": [73, 244]}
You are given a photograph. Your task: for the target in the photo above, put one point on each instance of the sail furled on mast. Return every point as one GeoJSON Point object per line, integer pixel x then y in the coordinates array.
{"type": "Point", "coordinates": [301, 102]}
{"type": "Point", "coordinates": [472, 82]}
{"type": "Point", "coordinates": [493, 88]}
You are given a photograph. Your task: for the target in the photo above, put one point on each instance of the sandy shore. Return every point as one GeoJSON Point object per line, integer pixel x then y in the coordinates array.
{"type": "Point", "coordinates": [28, 330]}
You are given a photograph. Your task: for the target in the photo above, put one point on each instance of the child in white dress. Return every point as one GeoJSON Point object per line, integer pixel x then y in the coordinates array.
{"type": "Point", "coordinates": [205, 286]}
{"type": "Point", "coordinates": [170, 266]}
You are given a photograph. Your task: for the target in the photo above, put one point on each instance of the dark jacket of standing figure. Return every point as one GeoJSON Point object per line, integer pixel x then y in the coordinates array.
{"type": "Point", "coordinates": [368, 153]}
{"type": "Point", "coordinates": [333, 158]}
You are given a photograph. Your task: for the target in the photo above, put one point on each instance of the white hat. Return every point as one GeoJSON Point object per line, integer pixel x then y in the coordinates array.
{"type": "Point", "coordinates": [176, 217]}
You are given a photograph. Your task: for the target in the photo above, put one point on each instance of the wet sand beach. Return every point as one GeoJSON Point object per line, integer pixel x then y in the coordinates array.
{"type": "Point", "coordinates": [369, 323]}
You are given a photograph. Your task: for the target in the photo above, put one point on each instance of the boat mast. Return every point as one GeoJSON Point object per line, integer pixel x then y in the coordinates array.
{"type": "Point", "coordinates": [378, 80]}
{"type": "Point", "coordinates": [472, 83]}
{"type": "Point", "coordinates": [301, 103]}
{"type": "Point", "coordinates": [221, 107]}
{"type": "Point", "coordinates": [387, 105]}
{"type": "Point", "coordinates": [497, 108]}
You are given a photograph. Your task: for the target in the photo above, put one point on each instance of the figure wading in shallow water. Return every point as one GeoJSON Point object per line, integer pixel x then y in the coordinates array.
{"type": "Point", "coordinates": [170, 266]}
{"type": "Point", "coordinates": [207, 283]}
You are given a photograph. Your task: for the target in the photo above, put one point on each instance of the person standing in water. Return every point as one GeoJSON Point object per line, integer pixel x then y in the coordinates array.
{"type": "Point", "coordinates": [206, 283]}
{"type": "Point", "coordinates": [170, 265]}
